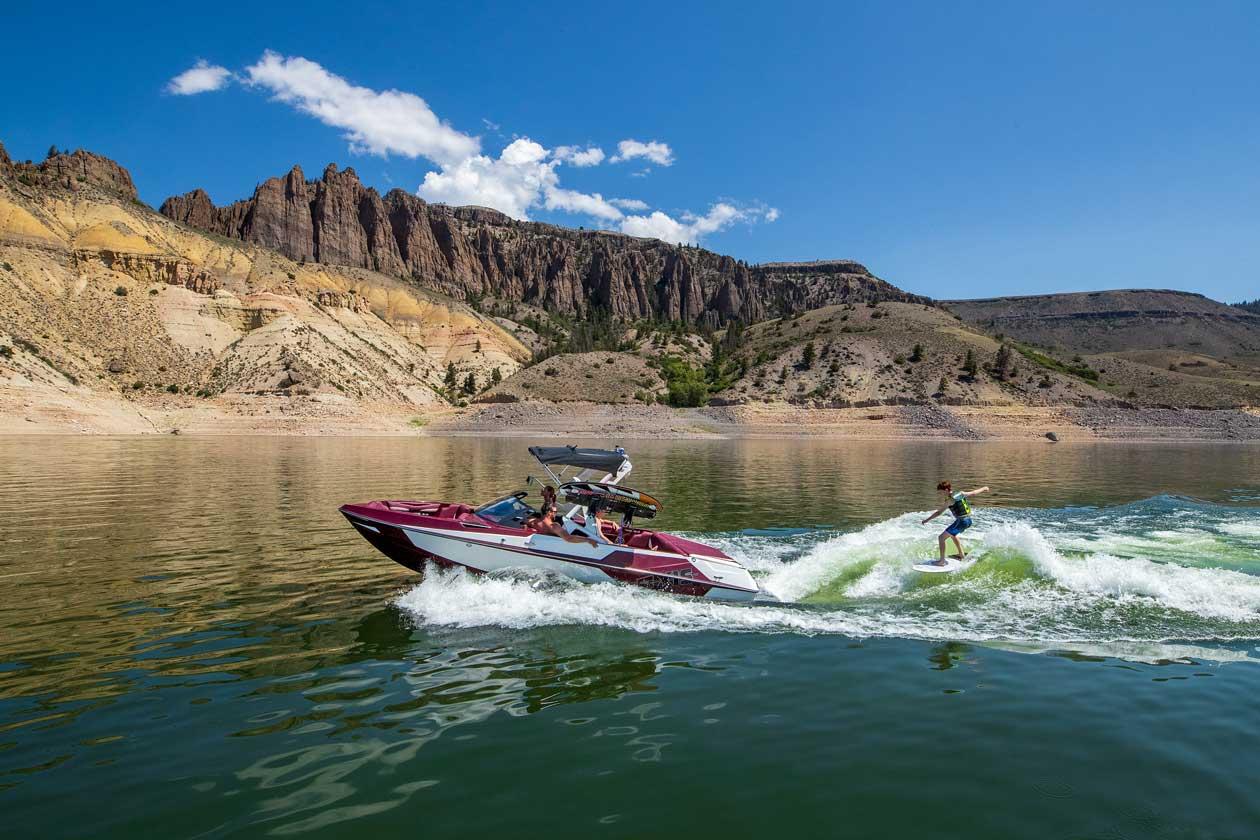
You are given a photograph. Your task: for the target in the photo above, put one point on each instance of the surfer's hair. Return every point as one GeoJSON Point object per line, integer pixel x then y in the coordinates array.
{"type": "Point", "coordinates": [946, 486]}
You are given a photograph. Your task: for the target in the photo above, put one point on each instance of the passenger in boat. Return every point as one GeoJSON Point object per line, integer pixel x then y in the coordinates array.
{"type": "Point", "coordinates": [548, 496]}
{"type": "Point", "coordinates": [957, 504]}
{"type": "Point", "coordinates": [595, 523]}
{"type": "Point", "coordinates": [545, 523]}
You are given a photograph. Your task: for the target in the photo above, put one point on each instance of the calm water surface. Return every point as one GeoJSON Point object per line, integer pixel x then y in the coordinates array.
{"type": "Point", "coordinates": [193, 643]}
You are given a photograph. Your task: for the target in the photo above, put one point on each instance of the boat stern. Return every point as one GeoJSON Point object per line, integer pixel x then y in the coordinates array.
{"type": "Point", "coordinates": [735, 583]}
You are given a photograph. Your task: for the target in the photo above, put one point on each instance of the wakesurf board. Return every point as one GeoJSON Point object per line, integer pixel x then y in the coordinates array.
{"type": "Point", "coordinates": [952, 564]}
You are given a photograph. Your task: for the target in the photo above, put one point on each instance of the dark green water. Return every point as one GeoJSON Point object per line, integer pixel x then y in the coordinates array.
{"type": "Point", "coordinates": [194, 644]}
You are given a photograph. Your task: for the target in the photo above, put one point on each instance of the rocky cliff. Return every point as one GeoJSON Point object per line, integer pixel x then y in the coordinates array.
{"type": "Point", "coordinates": [72, 171]}
{"type": "Point", "coordinates": [475, 252]}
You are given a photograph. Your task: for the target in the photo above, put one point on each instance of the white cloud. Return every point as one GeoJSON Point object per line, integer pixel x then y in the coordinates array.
{"type": "Point", "coordinates": [202, 77]}
{"type": "Point", "coordinates": [511, 183]}
{"type": "Point", "coordinates": [576, 202]}
{"type": "Point", "coordinates": [692, 228]}
{"type": "Point", "coordinates": [657, 226]}
{"type": "Point", "coordinates": [522, 177]}
{"type": "Point", "coordinates": [590, 156]}
{"type": "Point", "coordinates": [378, 122]}
{"type": "Point", "coordinates": [655, 151]}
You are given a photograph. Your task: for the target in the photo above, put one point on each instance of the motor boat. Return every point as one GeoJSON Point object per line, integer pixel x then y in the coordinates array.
{"type": "Point", "coordinates": [497, 534]}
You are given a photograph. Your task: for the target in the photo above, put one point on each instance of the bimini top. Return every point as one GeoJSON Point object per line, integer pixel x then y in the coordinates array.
{"type": "Point", "coordinates": [608, 460]}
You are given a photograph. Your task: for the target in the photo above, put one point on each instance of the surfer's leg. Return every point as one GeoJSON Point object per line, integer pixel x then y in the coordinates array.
{"type": "Point", "coordinates": [940, 541]}
{"type": "Point", "coordinates": [955, 528]}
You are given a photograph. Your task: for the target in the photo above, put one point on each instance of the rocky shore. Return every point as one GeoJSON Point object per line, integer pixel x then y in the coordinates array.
{"type": "Point", "coordinates": [79, 411]}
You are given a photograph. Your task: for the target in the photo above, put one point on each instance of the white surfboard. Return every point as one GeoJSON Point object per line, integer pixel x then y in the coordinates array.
{"type": "Point", "coordinates": [952, 564]}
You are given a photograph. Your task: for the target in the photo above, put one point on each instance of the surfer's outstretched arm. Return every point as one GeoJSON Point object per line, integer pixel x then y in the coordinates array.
{"type": "Point", "coordinates": [975, 492]}
{"type": "Point", "coordinates": [939, 511]}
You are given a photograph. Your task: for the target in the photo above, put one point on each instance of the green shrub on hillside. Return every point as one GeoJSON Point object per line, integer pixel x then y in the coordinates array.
{"type": "Point", "coordinates": [688, 386]}
{"type": "Point", "coordinates": [1078, 368]}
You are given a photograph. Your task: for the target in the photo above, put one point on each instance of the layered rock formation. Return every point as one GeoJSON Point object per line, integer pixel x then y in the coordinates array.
{"type": "Point", "coordinates": [72, 170]}
{"type": "Point", "coordinates": [474, 252]}
{"type": "Point", "coordinates": [147, 268]}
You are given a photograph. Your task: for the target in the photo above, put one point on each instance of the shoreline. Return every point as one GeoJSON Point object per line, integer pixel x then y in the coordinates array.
{"type": "Point", "coordinates": [53, 412]}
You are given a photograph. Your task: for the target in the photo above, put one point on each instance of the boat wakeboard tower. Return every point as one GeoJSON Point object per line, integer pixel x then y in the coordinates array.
{"type": "Point", "coordinates": [495, 535]}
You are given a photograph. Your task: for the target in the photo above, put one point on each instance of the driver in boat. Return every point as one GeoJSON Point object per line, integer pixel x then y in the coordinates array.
{"type": "Point", "coordinates": [957, 504]}
{"type": "Point", "coordinates": [544, 522]}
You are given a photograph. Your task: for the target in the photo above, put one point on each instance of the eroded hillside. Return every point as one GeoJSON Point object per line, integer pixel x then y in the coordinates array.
{"type": "Point", "coordinates": [1151, 347]}
{"type": "Point", "coordinates": [100, 294]}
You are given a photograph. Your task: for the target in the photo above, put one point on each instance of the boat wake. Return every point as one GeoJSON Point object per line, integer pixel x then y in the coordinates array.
{"type": "Point", "coordinates": [1154, 577]}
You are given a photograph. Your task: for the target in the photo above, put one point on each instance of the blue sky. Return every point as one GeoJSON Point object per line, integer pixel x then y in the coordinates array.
{"type": "Point", "coordinates": [958, 150]}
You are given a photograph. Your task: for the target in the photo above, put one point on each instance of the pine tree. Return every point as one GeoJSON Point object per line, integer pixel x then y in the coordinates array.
{"type": "Point", "coordinates": [450, 375]}
{"type": "Point", "coordinates": [969, 365]}
{"type": "Point", "coordinates": [478, 349]}
{"type": "Point", "coordinates": [53, 151]}
{"type": "Point", "coordinates": [807, 356]}
{"type": "Point", "coordinates": [470, 384]}
{"type": "Point", "coordinates": [916, 355]}
{"type": "Point", "coordinates": [495, 376]}
{"type": "Point", "coordinates": [1002, 361]}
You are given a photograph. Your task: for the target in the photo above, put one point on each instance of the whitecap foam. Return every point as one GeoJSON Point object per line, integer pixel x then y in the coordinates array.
{"type": "Point", "coordinates": [1019, 615]}
{"type": "Point", "coordinates": [1213, 593]}
{"type": "Point", "coordinates": [892, 544]}
{"type": "Point", "coordinates": [1240, 529]}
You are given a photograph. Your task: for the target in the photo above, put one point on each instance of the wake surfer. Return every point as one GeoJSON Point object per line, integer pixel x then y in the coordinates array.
{"type": "Point", "coordinates": [957, 504]}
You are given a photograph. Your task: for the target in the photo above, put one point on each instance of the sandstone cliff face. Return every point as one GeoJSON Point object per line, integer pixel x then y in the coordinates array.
{"type": "Point", "coordinates": [146, 268]}
{"type": "Point", "coordinates": [471, 252]}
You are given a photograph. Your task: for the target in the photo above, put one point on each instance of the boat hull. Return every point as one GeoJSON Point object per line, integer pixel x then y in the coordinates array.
{"type": "Point", "coordinates": [480, 548]}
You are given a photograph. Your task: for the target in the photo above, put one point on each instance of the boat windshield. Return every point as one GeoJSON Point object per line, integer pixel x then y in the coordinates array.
{"type": "Point", "coordinates": [508, 510]}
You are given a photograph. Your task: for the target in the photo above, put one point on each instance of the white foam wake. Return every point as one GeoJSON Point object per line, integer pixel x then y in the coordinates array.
{"type": "Point", "coordinates": [1023, 591]}
{"type": "Point", "coordinates": [892, 546]}
{"type": "Point", "coordinates": [458, 599]}
{"type": "Point", "coordinates": [1212, 593]}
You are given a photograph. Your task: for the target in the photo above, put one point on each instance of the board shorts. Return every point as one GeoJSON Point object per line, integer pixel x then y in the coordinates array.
{"type": "Point", "coordinates": [961, 524]}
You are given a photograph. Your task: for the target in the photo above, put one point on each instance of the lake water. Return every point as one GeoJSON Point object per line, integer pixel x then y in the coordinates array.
{"type": "Point", "coordinates": [193, 643]}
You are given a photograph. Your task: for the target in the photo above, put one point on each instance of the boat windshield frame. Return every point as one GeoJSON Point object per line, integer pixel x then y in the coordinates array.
{"type": "Point", "coordinates": [581, 459]}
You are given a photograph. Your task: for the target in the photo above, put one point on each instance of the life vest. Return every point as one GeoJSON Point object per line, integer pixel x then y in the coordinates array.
{"type": "Point", "coordinates": [960, 507]}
